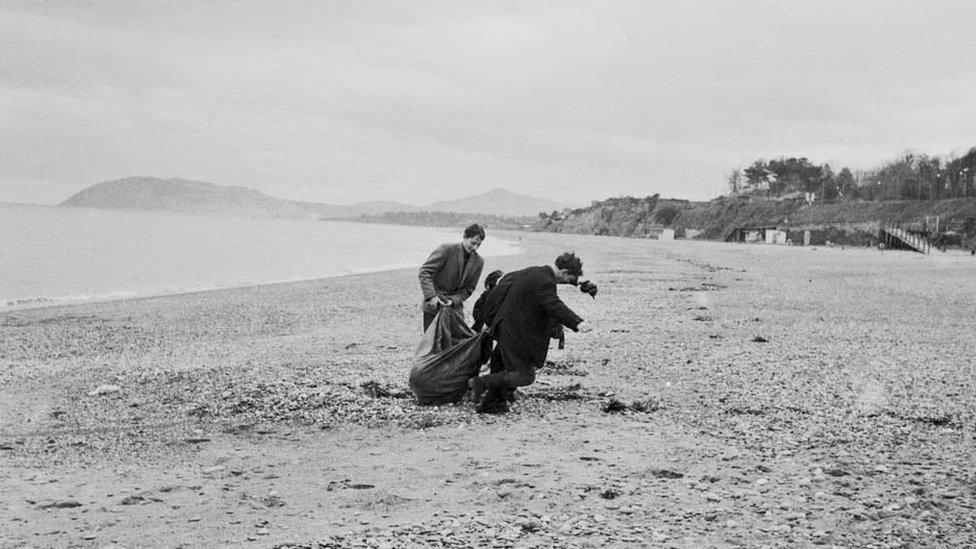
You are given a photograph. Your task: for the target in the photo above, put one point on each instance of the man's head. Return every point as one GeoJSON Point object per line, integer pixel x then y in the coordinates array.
{"type": "Point", "coordinates": [474, 235]}
{"type": "Point", "coordinates": [568, 268]}
{"type": "Point", "coordinates": [492, 279]}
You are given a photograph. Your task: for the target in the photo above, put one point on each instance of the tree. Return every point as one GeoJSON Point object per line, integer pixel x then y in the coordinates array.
{"type": "Point", "coordinates": [734, 181]}
{"type": "Point", "coordinates": [665, 215]}
{"type": "Point", "coordinates": [828, 191]}
{"type": "Point", "coordinates": [757, 176]}
{"type": "Point", "coordinates": [845, 184]}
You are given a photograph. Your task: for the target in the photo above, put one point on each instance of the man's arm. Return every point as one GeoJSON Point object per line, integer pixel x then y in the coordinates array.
{"type": "Point", "coordinates": [478, 311]}
{"type": "Point", "coordinates": [430, 267]}
{"type": "Point", "coordinates": [549, 300]}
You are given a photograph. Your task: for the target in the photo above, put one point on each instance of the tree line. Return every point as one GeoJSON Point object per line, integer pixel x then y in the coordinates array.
{"type": "Point", "coordinates": [913, 176]}
{"type": "Point", "coordinates": [431, 218]}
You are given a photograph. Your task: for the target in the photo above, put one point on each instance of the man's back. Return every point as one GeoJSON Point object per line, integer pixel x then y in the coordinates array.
{"type": "Point", "coordinates": [527, 301]}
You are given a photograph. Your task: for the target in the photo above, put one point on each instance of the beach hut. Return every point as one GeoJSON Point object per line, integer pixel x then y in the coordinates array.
{"type": "Point", "coordinates": [750, 234]}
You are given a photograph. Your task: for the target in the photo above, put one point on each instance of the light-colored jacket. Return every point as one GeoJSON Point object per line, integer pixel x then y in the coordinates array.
{"type": "Point", "coordinates": [446, 274]}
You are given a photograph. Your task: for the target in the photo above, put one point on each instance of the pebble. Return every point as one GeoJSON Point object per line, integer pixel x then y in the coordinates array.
{"type": "Point", "coordinates": [105, 390]}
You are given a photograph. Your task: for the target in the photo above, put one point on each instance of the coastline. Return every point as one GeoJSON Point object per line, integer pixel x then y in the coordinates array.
{"type": "Point", "coordinates": [257, 416]}
{"type": "Point", "coordinates": [46, 303]}
{"type": "Point", "coordinates": [144, 284]}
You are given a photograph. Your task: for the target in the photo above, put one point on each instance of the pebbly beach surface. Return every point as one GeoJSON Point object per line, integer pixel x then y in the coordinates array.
{"type": "Point", "coordinates": [729, 395]}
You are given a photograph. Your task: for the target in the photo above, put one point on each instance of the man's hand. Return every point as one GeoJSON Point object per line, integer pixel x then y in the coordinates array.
{"type": "Point", "coordinates": [438, 301]}
{"type": "Point", "coordinates": [584, 328]}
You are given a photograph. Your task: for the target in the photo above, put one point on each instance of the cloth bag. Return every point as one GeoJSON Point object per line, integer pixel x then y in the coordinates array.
{"type": "Point", "coordinates": [449, 354]}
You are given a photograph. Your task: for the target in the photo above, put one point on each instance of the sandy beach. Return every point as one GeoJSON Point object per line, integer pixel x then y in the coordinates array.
{"type": "Point", "coordinates": [728, 396]}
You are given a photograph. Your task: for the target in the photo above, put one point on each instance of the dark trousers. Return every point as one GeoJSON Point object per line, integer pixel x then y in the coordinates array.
{"type": "Point", "coordinates": [508, 369]}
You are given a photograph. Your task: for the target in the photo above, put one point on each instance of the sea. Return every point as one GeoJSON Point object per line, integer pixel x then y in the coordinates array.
{"type": "Point", "coordinates": [51, 255]}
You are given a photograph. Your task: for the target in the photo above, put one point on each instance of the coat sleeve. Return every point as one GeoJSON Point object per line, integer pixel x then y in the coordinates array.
{"type": "Point", "coordinates": [550, 302]}
{"type": "Point", "coordinates": [430, 268]}
{"type": "Point", "coordinates": [478, 311]}
{"type": "Point", "coordinates": [468, 284]}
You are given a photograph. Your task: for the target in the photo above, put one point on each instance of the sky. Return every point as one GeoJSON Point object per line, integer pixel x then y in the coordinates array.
{"type": "Point", "coordinates": [420, 101]}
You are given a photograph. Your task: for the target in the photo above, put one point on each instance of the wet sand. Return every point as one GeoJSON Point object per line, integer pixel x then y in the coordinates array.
{"type": "Point", "coordinates": [729, 395]}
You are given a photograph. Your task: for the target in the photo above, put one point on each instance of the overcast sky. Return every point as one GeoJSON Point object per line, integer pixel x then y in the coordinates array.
{"type": "Point", "coordinates": [419, 101]}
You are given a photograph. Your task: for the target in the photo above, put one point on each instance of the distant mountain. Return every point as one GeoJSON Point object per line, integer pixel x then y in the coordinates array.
{"type": "Point", "coordinates": [337, 211]}
{"type": "Point", "coordinates": [185, 196]}
{"type": "Point", "coordinates": [499, 202]}
{"type": "Point", "coordinates": [199, 197]}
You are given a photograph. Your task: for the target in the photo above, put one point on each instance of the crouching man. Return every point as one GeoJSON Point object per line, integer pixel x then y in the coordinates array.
{"type": "Point", "coordinates": [521, 310]}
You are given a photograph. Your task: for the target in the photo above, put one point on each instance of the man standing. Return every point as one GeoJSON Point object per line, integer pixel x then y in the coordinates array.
{"type": "Point", "coordinates": [451, 273]}
{"type": "Point", "coordinates": [522, 309]}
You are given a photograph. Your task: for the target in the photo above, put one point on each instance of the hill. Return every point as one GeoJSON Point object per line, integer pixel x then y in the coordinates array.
{"type": "Point", "coordinates": [340, 211]}
{"type": "Point", "coordinates": [623, 216]}
{"type": "Point", "coordinates": [185, 196]}
{"type": "Point", "coordinates": [500, 202]}
{"type": "Point", "coordinates": [427, 218]}
{"type": "Point", "coordinates": [199, 197]}
{"type": "Point", "coordinates": [850, 222]}
{"type": "Point", "coordinates": [847, 221]}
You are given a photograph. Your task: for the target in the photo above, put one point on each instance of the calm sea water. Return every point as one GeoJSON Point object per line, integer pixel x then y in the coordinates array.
{"type": "Point", "coordinates": [51, 255]}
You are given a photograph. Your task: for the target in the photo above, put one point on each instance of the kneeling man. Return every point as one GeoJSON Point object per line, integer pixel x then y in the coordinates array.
{"type": "Point", "coordinates": [522, 309]}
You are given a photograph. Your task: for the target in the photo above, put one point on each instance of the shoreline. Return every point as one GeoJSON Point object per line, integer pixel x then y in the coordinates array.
{"type": "Point", "coordinates": [67, 256]}
{"type": "Point", "coordinates": [69, 303]}
{"type": "Point", "coordinates": [760, 248]}
{"type": "Point", "coordinates": [25, 304]}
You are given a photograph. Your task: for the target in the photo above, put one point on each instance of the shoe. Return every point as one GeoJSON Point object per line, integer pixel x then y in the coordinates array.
{"type": "Point", "coordinates": [493, 406]}
{"type": "Point", "coordinates": [492, 402]}
{"type": "Point", "coordinates": [478, 390]}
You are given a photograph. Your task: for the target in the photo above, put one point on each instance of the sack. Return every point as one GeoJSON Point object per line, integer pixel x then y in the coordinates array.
{"type": "Point", "coordinates": [448, 355]}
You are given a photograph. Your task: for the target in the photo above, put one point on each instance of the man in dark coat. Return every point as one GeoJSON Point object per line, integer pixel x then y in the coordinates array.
{"type": "Point", "coordinates": [451, 273]}
{"type": "Point", "coordinates": [522, 309]}
{"type": "Point", "coordinates": [478, 310]}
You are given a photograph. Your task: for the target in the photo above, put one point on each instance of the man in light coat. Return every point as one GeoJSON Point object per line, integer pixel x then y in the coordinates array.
{"type": "Point", "coordinates": [451, 273]}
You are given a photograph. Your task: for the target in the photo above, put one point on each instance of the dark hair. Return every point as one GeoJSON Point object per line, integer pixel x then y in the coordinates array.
{"type": "Point", "coordinates": [492, 279]}
{"type": "Point", "coordinates": [571, 263]}
{"type": "Point", "coordinates": [474, 230]}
